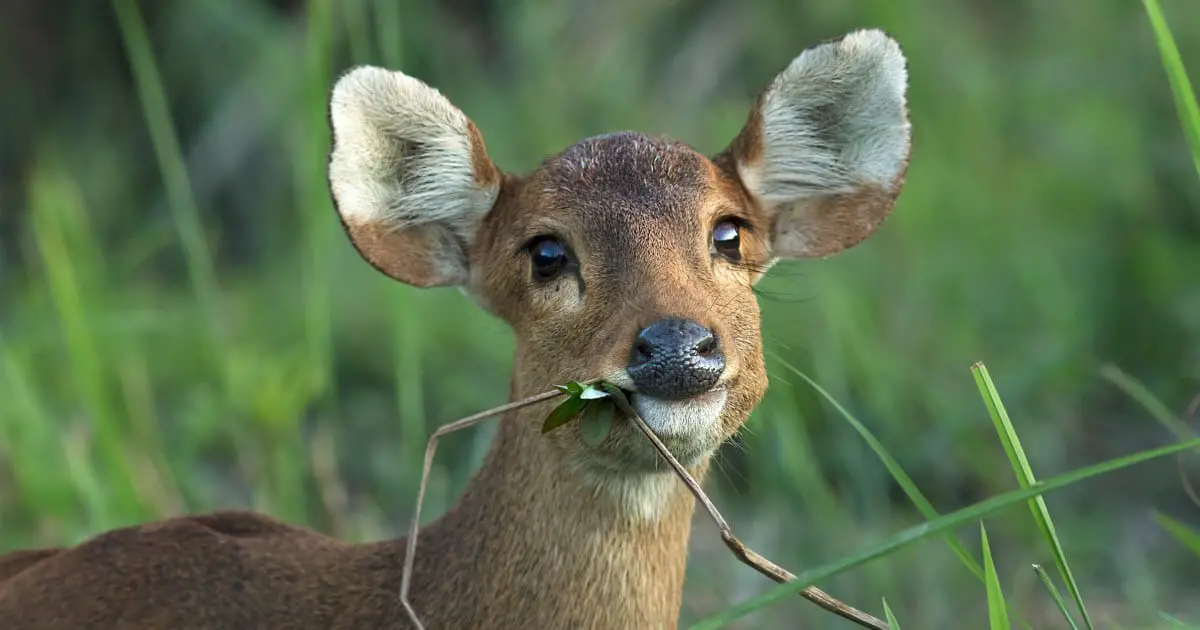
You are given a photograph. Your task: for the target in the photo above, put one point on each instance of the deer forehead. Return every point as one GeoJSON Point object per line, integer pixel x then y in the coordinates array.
{"type": "Point", "coordinates": [627, 196]}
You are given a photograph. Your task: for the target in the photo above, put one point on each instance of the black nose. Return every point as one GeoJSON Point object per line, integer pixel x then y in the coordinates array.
{"type": "Point", "coordinates": [675, 359]}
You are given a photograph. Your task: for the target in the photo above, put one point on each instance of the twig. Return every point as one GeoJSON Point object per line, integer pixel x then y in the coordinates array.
{"type": "Point", "coordinates": [430, 448]}
{"type": "Point", "coordinates": [743, 553]}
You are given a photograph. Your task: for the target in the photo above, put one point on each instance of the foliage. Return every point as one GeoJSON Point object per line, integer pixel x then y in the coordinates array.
{"type": "Point", "coordinates": [591, 403]}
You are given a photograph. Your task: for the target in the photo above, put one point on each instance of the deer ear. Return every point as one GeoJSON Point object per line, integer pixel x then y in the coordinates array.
{"type": "Point", "coordinates": [826, 147]}
{"type": "Point", "coordinates": [409, 174]}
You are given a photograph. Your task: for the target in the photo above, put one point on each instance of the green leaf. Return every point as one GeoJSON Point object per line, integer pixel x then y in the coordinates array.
{"type": "Point", "coordinates": [591, 393]}
{"type": "Point", "coordinates": [572, 388]}
{"type": "Point", "coordinates": [1024, 473]}
{"type": "Point", "coordinates": [934, 527]}
{"type": "Point", "coordinates": [563, 413]}
{"type": "Point", "coordinates": [893, 624]}
{"type": "Point", "coordinates": [1055, 595]}
{"type": "Point", "coordinates": [597, 422]}
{"type": "Point", "coordinates": [997, 609]}
{"type": "Point", "coordinates": [612, 390]}
{"type": "Point", "coordinates": [1182, 532]}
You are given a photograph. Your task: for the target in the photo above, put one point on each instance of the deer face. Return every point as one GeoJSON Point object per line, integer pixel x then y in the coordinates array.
{"type": "Point", "coordinates": [629, 257]}
{"type": "Point", "coordinates": [632, 258]}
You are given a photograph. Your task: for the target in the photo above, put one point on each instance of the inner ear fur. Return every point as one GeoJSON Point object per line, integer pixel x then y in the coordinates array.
{"type": "Point", "coordinates": [409, 175]}
{"type": "Point", "coordinates": [826, 146]}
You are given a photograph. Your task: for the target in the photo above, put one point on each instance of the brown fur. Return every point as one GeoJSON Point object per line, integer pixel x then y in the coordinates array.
{"type": "Point", "coordinates": [485, 173]}
{"type": "Point", "coordinates": [398, 252]}
{"type": "Point", "coordinates": [550, 533]}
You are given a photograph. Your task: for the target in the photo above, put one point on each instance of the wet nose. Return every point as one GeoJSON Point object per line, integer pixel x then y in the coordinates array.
{"type": "Point", "coordinates": [675, 359]}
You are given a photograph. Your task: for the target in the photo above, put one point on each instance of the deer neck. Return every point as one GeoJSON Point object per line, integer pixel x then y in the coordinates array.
{"type": "Point", "coordinates": [536, 542]}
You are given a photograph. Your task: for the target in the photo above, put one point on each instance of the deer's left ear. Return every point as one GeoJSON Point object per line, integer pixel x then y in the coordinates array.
{"type": "Point", "coordinates": [826, 147]}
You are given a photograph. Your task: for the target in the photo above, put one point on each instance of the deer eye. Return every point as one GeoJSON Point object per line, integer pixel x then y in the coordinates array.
{"type": "Point", "coordinates": [727, 240]}
{"type": "Point", "coordinates": [548, 257]}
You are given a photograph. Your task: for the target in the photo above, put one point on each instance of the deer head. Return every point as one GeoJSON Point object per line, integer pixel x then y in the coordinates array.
{"type": "Point", "coordinates": [626, 256]}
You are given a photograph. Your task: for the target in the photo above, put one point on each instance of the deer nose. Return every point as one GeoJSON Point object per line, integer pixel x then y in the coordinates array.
{"type": "Point", "coordinates": [675, 359]}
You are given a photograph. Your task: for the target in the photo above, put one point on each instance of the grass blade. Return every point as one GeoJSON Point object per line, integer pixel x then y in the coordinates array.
{"type": "Point", "coordinates": [1138, 391]}
{"type": "Point", "coordinates": [313, 136]}
{"type": "Point", "coordinates": [1182, 532]}
{"type": "Point", "coordinates": [60, 233]}
{"type": "Point", "coordinates": [1055, 595]}
{"type": "Point", "coordinates": [893, 623]}
{"type": "Point", "coordinates": [934, 527]}
{"type": "Point", "coordinates": [388, 34]}
{"type": "Point", "coordinates": [1177, 624]}
{"type": "Point", "coordinates": [26, 426]}
{"type": "Point", "coordinates": [914, 494]}
{"type": "Point", "coordinates": [997, 608]}
{"type": "Point", "coordinates": [905, 482]}
{"type": "Point", "coordinates": [357, 19]}
{"type": "Point", "coordinates": [1181, 87]}
{"type": "Point", "coordinates": [184, 210]}
{"type": "Point", "coordinates": [1020, 465]}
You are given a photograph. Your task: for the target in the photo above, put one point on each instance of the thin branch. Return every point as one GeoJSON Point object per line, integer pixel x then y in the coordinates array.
{"type": "Point", "coordinates": [747, 555]}
{"type": "Point", "coordinates": [430, 448]}
{"type": "Point", "coordinates": [743, 553]}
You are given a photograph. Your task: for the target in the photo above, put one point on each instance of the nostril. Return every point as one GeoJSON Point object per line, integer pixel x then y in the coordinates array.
{"type": "Point", "coordinates": [643, 351]}
{"type": "Point", "coordinates": [706, 345]}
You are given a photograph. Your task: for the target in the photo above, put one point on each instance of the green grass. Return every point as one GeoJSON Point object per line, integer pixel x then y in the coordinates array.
{"type": "Point", "coordinates": [1181, 87]}
{"type": "Point", "coordinates": [893, 623]}
{"type": "Point", "coordinates": [1031, 492]}
{"type": "Point", "coordinates": [1052, 590]}
{"type": "Point", "coordinates": [997, 607]}
{"type": "Point", "coordinates": [1020, 465]}
{"type": "Point", "coordinates": [894, 469]}
{"type": "Point", "coordinates": [934, 527]}
{"type": "Point", "coordinates": [184, 210]}
{"type": "Point", "coordinates": [1138, 391]}
{"type": "Point", "coordinates": [175, 336]}
{"type": "Point", "coordinates": [1189, 537]}
{"type": "Point", "coordinates": [1179, 625]}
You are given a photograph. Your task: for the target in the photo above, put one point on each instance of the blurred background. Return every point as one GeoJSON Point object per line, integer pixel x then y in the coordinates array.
{"type": "Point", "coordinates": [183, 325]}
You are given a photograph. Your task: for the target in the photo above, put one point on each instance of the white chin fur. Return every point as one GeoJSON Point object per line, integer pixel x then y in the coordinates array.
{"type": "Point", "coordinates": [693, 418]}
{"type": "Point", "coordinates": [691, 424]}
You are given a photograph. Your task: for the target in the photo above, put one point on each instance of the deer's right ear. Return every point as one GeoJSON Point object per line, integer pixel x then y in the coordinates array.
{"type": "Point", "coordinates": [410, 176]}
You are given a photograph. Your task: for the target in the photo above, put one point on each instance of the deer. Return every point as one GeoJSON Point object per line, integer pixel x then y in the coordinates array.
{"type": "Point", "coordinates": [629, 257]}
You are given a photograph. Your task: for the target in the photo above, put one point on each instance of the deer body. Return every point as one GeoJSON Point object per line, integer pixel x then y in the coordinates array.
{"type": "Point", "coordinates": [560, 559]}
{"type": "Point", "coordinates": [626, 257]}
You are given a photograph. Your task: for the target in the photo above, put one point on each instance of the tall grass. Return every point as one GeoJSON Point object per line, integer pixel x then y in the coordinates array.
{"type": "Point", "coordinates": [938, 526]}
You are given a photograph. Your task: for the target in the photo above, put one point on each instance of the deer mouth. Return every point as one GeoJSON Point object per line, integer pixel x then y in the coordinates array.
{"type": "Point", "coordinates": [688, 419]}
{"type": "Point", "coordinates": [690, 427]}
